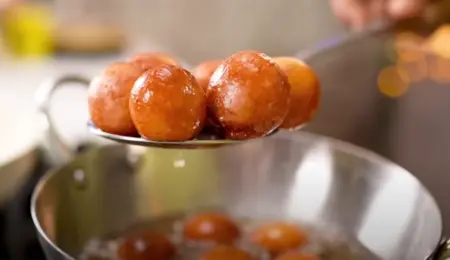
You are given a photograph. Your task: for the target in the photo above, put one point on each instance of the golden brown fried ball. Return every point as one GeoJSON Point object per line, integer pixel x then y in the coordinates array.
{"type": "Point", "coordinates": [297, 256]}
{"type": "Point", "coordinates": [108, 98]}
{"type": "Point", "coordinates": [248, 95]}
{"type": "Point", "coordinates": [279, 237]}
{"type": "Point", "coordinates": [147, 60]}
{"type": "Point", "coordinates": [204, 71]}
{"type": "Point", "coordinates": [226, 253]}
{"type": "Point", "coordinates": [211, 227]}
{"type": "Point", "coordinates": [167, 104]}
{"type": "Point", "coordinates": [305, 92]}
{"type": "Point", "coordinates": [146, 245]}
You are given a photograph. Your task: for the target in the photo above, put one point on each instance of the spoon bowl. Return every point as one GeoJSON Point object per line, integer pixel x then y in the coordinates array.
{"type": "Point", "coordinates": [203, 140]}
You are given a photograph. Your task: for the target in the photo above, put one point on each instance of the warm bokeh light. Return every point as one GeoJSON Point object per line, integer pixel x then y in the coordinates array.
{"type": "Point", "coordinates": [439, 42]}
{"type": "Point", "coordinates": [393, 81]}
{"type": "Point", "coordinates": [418, 58]}
{"type": "Point", "coordinates": [416, 70]}
{"type": "Point", "coordinates": [408, 46]}
{"type": "Point", "coordinates": [439, 69]}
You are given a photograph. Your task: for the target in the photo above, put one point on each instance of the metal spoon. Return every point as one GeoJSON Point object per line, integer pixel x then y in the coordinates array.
{"type": "Point", "coordinates": [204, 140]}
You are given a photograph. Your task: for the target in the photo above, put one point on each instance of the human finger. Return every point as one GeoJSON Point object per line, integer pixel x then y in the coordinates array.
{"type": "Point", "coordinates": [401, 9]}
{"type": "Point", "coordinates": [353, 13]}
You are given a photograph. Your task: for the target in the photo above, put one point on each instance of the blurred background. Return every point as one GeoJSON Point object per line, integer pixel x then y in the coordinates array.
{"type": "Point", "coordinates": [382, 91]}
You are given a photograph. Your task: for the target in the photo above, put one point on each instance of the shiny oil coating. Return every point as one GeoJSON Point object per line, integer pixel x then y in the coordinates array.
{"type": "Point", "coordinates": [108, 98]}
{"type": "Point", "coordinates": [226, 253]}
{"type": "Point", "coordinates": [211, 227]}
{"type": "Point", "coordinates": [279, 237]}
{"type": "Point", "coordinates": [248, 95]}
{"type": "Point", "coordinates": [167, 104]}
{"type": "Point", "coordinates": [147, 60]}
{"type": "Point", "coordinates": [204, 71]}
{"type": "Point", "coordinates": [297, 256]}
{"type": "Point", "coordinates": [202, 74]}
{"type": "Point", "coordinates": [146, 246]}
{"type": "Point", "coordinates": [305, 91]}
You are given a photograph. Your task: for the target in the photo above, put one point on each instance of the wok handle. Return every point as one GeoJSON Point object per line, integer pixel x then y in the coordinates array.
{"type": "Point", "coordinates": [443, 252]}
{"type": "Point", "coordinates": [58, 151]}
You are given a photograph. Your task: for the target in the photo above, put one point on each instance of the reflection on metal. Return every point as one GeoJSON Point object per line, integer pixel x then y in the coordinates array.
{"type": "Point", "coordinates": [316, 167]}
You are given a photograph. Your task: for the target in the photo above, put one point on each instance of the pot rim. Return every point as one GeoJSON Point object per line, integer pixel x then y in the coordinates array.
{"type": "Point", "coordinates": [336, 144]}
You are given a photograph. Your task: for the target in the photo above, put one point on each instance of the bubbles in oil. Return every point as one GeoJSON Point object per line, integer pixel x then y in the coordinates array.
{"type": "Point", "coordinates": [326, 246]}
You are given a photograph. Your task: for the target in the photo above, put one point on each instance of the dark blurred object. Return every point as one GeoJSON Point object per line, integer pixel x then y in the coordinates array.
{"type": "Point", "coordinates": [436, 14]}
{"type": "Point", "coordinates": [17, 234]}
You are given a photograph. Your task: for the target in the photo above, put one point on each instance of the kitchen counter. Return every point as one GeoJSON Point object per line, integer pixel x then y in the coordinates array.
{"type": "Point", "coordinates": [19, 81]}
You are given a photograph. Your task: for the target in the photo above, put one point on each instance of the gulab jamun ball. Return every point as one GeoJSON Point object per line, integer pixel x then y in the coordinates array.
{"type": "Point", "coordinates": [146, 245]}
{"type": "Point", "coordinates": [226, 253]}
{"type": "Point", "coordinates": [204, 71]}
{"type": "Point", "coordinates": [305, 92]}
{"type": "Point", "coordinates": [167, 104]}
{"type": "Point", "coordinates": [297, 256]}
{"type": "Point", "coordinates": [248, 95]}
{"type": "Point", "coordinates": [211, 227]}
{"type": "Point", "coordinates": [108, 98]}
{"type": "Point", "coordinates": [147, 60]}
{"type": "Point", "coordinates": [279, 237]}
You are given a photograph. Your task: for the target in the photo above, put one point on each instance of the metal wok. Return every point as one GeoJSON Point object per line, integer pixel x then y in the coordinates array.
{"type": "Point", "coordinates": [303, 177]}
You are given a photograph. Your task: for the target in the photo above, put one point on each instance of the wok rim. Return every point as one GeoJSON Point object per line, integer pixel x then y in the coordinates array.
{"type": "Point", "coordinates": [337, 144]}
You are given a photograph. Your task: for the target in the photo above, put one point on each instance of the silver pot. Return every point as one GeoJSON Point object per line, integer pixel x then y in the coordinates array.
{"type": "Point", "coordinates": [303, 177]}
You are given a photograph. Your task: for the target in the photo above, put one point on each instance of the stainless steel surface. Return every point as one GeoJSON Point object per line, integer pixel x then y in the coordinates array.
{"type": "Point", "coordinates": [202, 141]}
{"type": "Point", "coordinates": [301, 176]}
{"type": "Point", "coordinates": [411, 130]}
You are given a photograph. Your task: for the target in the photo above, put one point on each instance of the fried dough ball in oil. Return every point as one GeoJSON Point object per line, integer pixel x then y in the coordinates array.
{"type": "Point", "coordinates": [226, 253]}
{"type": "Point", "coordinates": [147, 60]}
{"type": "Point", "coordinates": [167, 104]}
{"type": "Point", "coordinates": [204, 71]}
{"type": "Point", "coordinates": [211, 227]}
{"type": "Point", "coordinates": [248, 95]}
{"type": "Point", "coordinates": [305, 92]}
{"type": "Point", "coordinates": [297, 256]}
{"type": "Point", "coordinates": [279, 237]}
{"type": "Point", "coordinates": [147, 245]}
{"type": "Point", "coordinates": [108, 98]}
